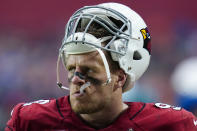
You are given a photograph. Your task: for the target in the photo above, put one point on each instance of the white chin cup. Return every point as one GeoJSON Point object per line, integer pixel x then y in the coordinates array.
{"type": "Point", "coordinates": [66, 88]}
{"type": "Point", "coordinates": [84, 86]}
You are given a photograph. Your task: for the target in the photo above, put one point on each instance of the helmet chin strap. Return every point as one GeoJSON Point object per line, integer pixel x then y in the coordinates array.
{"type": "Point", "coordinates": [106, 65]}
{"type": "Point", "coordinates": [59, 84]}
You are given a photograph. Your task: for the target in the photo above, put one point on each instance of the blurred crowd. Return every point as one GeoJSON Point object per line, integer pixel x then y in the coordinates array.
{"type": "Point", "coordinates": [27, 71]}
{"type": "Point", "coordinates": [28, 66]}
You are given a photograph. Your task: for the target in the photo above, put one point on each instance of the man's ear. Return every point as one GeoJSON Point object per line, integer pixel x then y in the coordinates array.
{"type": "Point", "coordinates": [121, 79]}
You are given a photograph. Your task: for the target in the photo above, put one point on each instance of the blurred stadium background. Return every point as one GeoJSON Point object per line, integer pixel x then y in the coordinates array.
{"type": "Point", "coordinates": [31, 33]}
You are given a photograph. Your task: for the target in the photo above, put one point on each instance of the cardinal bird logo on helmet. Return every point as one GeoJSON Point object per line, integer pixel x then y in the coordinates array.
{"type": "Point", "coordinates": [147, 39]}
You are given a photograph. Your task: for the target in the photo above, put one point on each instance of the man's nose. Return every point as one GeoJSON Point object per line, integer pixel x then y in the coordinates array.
{"type": "Point", "coordinates": [78, 78]}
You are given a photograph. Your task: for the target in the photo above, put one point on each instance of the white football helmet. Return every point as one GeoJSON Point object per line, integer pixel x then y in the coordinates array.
{"type": "Point", "coordinates": [129, 43]}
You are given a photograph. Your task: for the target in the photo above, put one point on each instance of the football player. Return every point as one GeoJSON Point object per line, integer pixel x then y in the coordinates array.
{"type": "Point", "coordinates": [106, 48]}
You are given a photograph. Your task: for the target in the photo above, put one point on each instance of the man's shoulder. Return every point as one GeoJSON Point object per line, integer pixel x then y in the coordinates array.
{"type": "Point", "coordinates": [32, 110]}
{"type": "Point", "coordinates": [40, 111]}
{"type": "Point", "coordinates": [166, 111]}
{"type": "Point", "coordinates": [157, 115]}
{"type": "Point", "coordinates": [41, 108]}
{"type": "Point", "coordinates": [161, 109]}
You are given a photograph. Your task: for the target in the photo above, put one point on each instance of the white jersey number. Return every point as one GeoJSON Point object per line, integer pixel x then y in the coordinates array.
{"type": "Point", "coordinates": [165, 106]}
{"type": "Point", "coordinates": [39, 102]}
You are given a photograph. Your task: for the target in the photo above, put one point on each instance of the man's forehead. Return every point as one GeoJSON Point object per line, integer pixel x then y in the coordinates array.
{"type": "Point", "coordinates": [83, 58]}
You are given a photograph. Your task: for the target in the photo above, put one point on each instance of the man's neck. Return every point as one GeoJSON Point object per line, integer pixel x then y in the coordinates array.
{"type": "Point", "coordinates": [104, 117]}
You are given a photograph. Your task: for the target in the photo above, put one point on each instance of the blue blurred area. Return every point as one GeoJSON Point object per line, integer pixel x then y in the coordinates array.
{"type": "Point", "coordinates": [141, 93]}
{"type": "Point", "coordinates": [31, 33]}
{"type": "Point", "coordinates": [189, 103]}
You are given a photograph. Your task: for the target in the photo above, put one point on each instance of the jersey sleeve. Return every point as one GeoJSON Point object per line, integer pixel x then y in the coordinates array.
{"type": "Point", "coordinates": [36, 115]}
{"type": "Point", "coordinates": [177, 118]}
{"type": "Point", "coordinates": [188, 122]}
{"type": "Point", "coordinates": [14, 123]}
{"type": "Point", "coordinates": [164, 117]}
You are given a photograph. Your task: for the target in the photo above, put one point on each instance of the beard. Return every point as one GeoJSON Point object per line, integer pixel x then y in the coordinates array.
{"type": "Point", "coordinates": [88, 105]}
{"type": "Point", "coordinates": [86, 108]}
{"type": "Point", "coordinates": [94, 100]}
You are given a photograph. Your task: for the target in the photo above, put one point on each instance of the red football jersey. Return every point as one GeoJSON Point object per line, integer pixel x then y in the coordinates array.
{"type": "Point", "coordinates": [57, 115]}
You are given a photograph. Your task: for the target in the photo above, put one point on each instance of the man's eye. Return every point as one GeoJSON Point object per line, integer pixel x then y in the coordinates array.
{"type": "Point", "coordinates": [70, 69]}
{"type": "Point", "coordinates": [90, 71]}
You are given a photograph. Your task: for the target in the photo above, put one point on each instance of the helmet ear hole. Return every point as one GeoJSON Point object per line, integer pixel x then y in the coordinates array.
{"type": "Point", "coordinates": [137, 56]}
